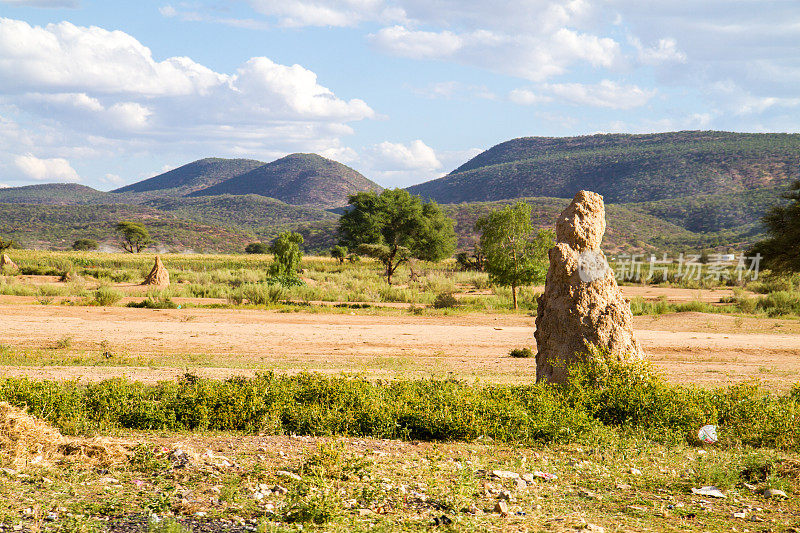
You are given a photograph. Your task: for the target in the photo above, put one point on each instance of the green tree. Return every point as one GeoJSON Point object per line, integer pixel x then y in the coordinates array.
{"type": "Point", "coordinates": [286, 248]}
{"type": "Point", "coordinates": [339, 253]}
{"type": "Point", "coordinates": [256, 248]}
{"type": "Point", "coordinates": [134, 237]}
{"type": "Point", "coordinates": [395, 226]}
{"type": "Point", "coordinates": [85, 244]}
{"type": "Point", "coordinates": [5, 245]}
{"type": "Point", "coordinates": [511, 257]}
{"type": "Point", "coordinates": [780, 251]}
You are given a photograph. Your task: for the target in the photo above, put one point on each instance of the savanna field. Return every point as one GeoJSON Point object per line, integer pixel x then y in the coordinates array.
{"type": "Point", "coordinates": [231, 401]}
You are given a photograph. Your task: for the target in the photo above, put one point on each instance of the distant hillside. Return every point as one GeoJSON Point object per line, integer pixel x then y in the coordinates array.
{"type": "Point", "coordinates": [253, 213]}
{"type": "Point", "coordinates": [298, 179]}
{"type": "Point", "coordinates": [191, 177]}
{"type": "Point", "coordinates": [626, 230]}
{"type": "Point", "coordinates": [56, 226]}
{"type": "Point", "coordinates": [623, 168]}
{"type": "Point", "coordinates": [714, 212]}
{"type": "Point", "coordinates": [52, 194]}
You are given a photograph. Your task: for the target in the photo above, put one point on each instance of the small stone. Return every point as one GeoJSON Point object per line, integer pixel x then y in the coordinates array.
{"type": "Point", "coordinates": [520, 484]}
{"type": "Point", "coordinates": [775, 493]}
{"type": "Point", "coordinates": [501, 507]}
{"type": "Point", "coordinates": [636, 472]}
{"type": "Point", "coordinates": [594, 528]}
{"type": "Point", "coordinates": [51, 517]}
{"type": "Point", "coordinates": [288, 475]}
{"type": "Point", "coordinates": [504, 474]}
{"type": "Point", "coordinates": [528, 478]}
{"type": "Point", "coordinates": [365, 512]}
{"type": "Point", "coordinates": [623, 486]}
{"type": "Point", "coordinates": [740, 514]}
{"type": "Point", "coordinates": [277, 489]}
{"type": "Point", "coordinates": [200, 514]}
{"type": "Point", "coordinates": [504, 495]}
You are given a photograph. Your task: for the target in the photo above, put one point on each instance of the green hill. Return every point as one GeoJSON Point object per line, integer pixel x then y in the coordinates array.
{"type": "Point", "coordinates": [250, 212]}
{"type": "Point", "coordinates": [298, 179]}
{"type": "Point", "coordinates": [53, 194]}
{"type": "Point", "coordinates": [623, 168]}
{"type": "Point", "coordinates": [626, 229]}
{"type": "Point", "coordinates": [191, 177]}
{"type": "Point", "coordinates": [58, 226]}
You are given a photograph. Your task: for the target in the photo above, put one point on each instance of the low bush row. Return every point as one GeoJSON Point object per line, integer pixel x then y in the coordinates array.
{"type": "Point", "coordinates": [603, 400]}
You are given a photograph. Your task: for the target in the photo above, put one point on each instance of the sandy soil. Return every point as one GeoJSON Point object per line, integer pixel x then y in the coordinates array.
{"type": "Point", "coordinates": [149, 345]}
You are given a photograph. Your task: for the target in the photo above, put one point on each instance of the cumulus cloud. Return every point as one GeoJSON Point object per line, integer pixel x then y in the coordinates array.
{"type": "Point", "coordinates": [415, 155]}
{"type": "Point", "coordinates": [607, 93]}
{"type": "Point", "coordinates": [665, 51]}
{"type": "Point", "coordinates": [527, 97]}
{"type": "Point", "coordinates": [327, 12]}
{"type": "Point", "coordinates": [53, 169]}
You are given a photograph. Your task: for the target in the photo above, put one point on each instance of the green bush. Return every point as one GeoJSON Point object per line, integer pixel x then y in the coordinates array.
{"type": "Point", "coordinates": [107, 296]}
{"type": "Point", "coordinates": [445, 300]}
{"type": "Point", "coordinates": [521, 353]}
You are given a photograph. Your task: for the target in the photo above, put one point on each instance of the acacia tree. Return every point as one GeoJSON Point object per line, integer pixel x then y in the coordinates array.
{"type": "Point", "coordinates": [394, 227]}
{"type": "Point", "coordinates": [5, 245]}
{"type": "Point", "coordinates": [286, 249]}
{"type": "Point", "coordinates": [780, 252]}
{"type": "Point", "coordinates": [511, 257]}
{"type": "Point", "coordinates": [134, 237]}
{"type": "Point", "coordinates": [339, 253]}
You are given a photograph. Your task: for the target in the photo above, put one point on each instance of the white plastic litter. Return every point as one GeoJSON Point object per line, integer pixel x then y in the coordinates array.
{"type": "Point", "coordinates": [708, 434]}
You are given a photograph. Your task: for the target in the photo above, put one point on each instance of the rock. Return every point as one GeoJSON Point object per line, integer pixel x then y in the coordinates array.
{"type": "Point", "coordinates": [365, 512]}
{"type": "Point", "coordinates": [504, 474]}
{"type": "Point", "coordinates": [710, 490]}
{"type": "Point", "coordinates": [157, 276]}
{"type": "Point", "coordinates": [501, 507]}
{"type": "Point", "coordinates": [775, 493]}
{"type": "Point", "coordinates": [740, 514]}
{"type": "Point", "coordinates": [594, 528]}
{"type": "Point", "coordinates": [520, 484]}
{"type": "Point", "coordinates": [6, 262]}
{"type": "Point", "coordinates": [288, 475]}
{"type": "Point", "coordinates": [528, 478]}
{"type": "Point", "coordinates": [636, 472]}
{"type": "Point", "coordinates": [581, 304]}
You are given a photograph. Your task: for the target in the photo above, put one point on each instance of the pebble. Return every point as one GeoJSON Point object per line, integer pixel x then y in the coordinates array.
{"type": "Point", "coordinates": [504, 474]}
{"type": "Point", "coordinates": [636, 472]}
{"type": "Point", "coordinates": [504, 495]}
{"type": "Point", "coordinates": [288, 475]}
{"type": "Point", "coordinates": [501, 507]}
{"type": "Point", "coordinates": [775, 493]}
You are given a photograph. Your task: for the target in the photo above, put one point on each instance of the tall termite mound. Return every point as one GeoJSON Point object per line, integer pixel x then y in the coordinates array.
{"type": "Point", "coordinates": [6, 262]}
{"type": "Point", "coordinates": [157, 276]}
{"type": "Point", "coordinates": [582, 304]}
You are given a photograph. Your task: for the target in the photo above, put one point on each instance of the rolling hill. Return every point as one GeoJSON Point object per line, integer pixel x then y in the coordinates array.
{"type": "Point", "coordinates": [623, 168]}
{"type": "Point", "coordinates": [54, 194]}
{"type": "Point", "coordinates": [191, 177]}
{"type": "Point", "coordinates": [298, 179]}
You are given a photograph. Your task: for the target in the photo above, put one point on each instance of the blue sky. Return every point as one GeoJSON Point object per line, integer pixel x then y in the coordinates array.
{"type": "Point", "coordinates": [108, 93]}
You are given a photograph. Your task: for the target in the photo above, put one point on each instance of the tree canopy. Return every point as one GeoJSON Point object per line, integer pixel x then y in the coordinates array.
{"type": "Point", "coordinates": [134, 237]}
{"type": "Point", "coordinates": [511, 257]}
{"type": "Point", "coordinates": [286, 248]}
{"type": "Point", "coordinates": [394, 227]}
{"type": "Point", "coordinates": [85, 244]}
{"type": "Point", "coordinates": [780, 251]}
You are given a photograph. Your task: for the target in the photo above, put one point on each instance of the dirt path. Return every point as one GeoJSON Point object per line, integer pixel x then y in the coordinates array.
{"type": "Point", "coordinates": [150, 345]}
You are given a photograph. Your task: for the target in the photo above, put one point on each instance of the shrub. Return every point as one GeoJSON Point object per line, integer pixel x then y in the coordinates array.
{"type": "Point", "coordinates": [522, 353]}
{"type": "Point", "coordinates": [163, 302]}
{"type": "Point", "coordinates": [256, 248]}
{"type": "Point", "coordinates": [85, 245]}
{"type": "Point", "coordinates": [107, 296]}
{"type": "Point", "coordinates": [445, 300]}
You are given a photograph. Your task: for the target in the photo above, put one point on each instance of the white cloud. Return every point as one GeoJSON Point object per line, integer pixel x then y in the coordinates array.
{"type": "Point", "coordinates": [54, 169]}
{"type": "Point", "coordinates": [527, 97]}
{"type": "Point", "coordinates": [170, 11]}
{"type": "Point", "coordinates": [4, 186]}
{"type": "Point", "coordinates": [665, 51]}
{"type": "Point", "coordinates": [113, 179]}
{"type": "Point", "coordinates": [415, 155]}
{"type": "Point", "coordinates": [531, 56]}
{"type": "Point", "coordinates": [295, 13]}
{"type": "Point", "coordinates": [607, 93]}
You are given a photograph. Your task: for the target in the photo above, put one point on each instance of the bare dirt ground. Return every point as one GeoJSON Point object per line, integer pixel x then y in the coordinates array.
{"type": "Point", "coordinates": [93, 343]}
